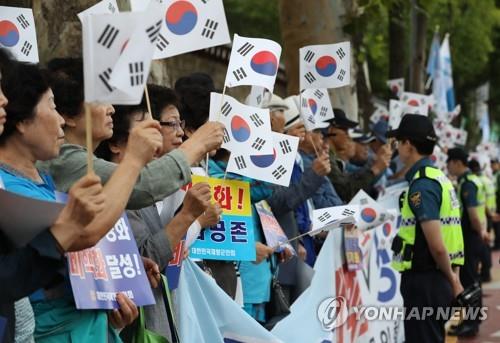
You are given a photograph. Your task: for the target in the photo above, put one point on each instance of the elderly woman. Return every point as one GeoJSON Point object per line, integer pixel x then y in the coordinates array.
{"type": "Point", "coordinates": [157, 236]}
{"type": "Point", "coordinates": [159, 179]}
{"type": "Point", "coordinates": [36, 265]}
{"type": "Point", "coordinates": [33, 132]}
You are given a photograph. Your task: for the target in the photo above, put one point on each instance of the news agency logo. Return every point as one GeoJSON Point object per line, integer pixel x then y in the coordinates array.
{"type": "Point", "coordinates": [332, 313]}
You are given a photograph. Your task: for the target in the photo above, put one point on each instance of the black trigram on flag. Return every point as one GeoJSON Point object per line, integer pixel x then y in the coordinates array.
{"type": "Point", "coordinates": [104, 77]}
{"type": "Point", "coordinates": [279, 172]}
{"type": "Point", "coordinates": [226, 109]}
{"type": "Point", "coordinates": [341, 75]}
{"type": "Point", "coordinates": [340, 53]}
{"type": "Point", "coordinates": [285, 147]}
{"type": "Point", "coordinates": [239, 74]}
{"type": "Point", "coordinates": [259, 99]}
{"type": "Point", "coordinates": [256, 120]}
{"type": "Point", "coordinates": [209, 29]}
{"type": "Point", "coordinates": [26, 49]}
{"type": "Point", "coordinates": [311, 119]}
{"type": "Point", "coordinates": [136, 71]}
{"type": "Point", "coordinates": [153, 31]}
{"type": "Point", "coordinates": [304, 103]}
{"type": "Point", "coordinates": [309, 56]}
{"type": "Point", "coordinates": [323, 111]}
{"type": "Point", "coordinates": [319, 94]}
{"type": "Point", "coordinates": [240, 162]}
{"type": "Point", "coordinates": [226, 138]}
{"type": "Point", "coordinates": [309, 77]}
{"type": "Point", "coordinates": [245, 49]}
{"type": "Point", "coordinates": [363, 202]}
{"type": "Point", "coordinates": [161, 42]}
{"type": "Point", "coordinates": [324, 217]}
{"type": "Point", "coordinates": [258, 144]}
{"type": "Point", "coordinates": [348, 212]}
{"type": "Point", "coordinates": [22, 21]}
{"type": "Point", "coordinates": [108, 36]}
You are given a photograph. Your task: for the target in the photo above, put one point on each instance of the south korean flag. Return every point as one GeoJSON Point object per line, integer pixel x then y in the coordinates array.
{"type": "Point", "coordinates": [275, 167]}
{"type": "Point", "coordinates": [332, 217]}
{"type": "Point", "coordinates": [417, 100]}
{"type": "Point", "coordinates": [253, 61]}
{"type": "Point", "coordinates": [247, 129]}
{"type": "Point", "coordinates": [397, 86]}
{"type": "Point", "coordinates": [370, 214]}
{"type": "Point", "coordinates": [380, 113]}
{"type": "Point", "coordinates": [18, 33]}
{"type": "Point", "coordinates": [315, 108]}
{"type": "Point", "coordinates": [325, 66]}
{"type": "Point", "coordinates": [132, 68]}
{"type": "Point", "coordinates": [105, 37]}
{"type": "Point", "coordinates": [396, 109]}
{"type": "Point", "coordinates": [258, 97]}
{"type": "Point", "coordinates": [188, 25]}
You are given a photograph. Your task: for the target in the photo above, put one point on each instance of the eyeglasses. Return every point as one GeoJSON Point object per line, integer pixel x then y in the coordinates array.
{"type": "Point", "coordinates": [176, 125]}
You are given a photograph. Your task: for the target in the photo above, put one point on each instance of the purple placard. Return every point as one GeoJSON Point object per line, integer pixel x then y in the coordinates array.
{"type": "Point", "coordinates": [113, 266]}
{"type": "Point", "coordinates": [3, 324]}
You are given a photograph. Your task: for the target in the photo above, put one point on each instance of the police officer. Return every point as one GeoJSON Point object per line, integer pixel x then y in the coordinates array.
{"type": "Point", "coordinates": [429, 246]}
{"type": "Point", "coordinates": [472, 199]}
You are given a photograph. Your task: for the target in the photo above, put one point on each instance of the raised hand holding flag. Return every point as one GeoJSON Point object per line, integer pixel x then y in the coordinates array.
{"type": "Point", "coordinates": [18, 33]}
{"type": "Point", "coordinates": [325, 66]}
{"type": "Point", "coordinates": [253, 61]}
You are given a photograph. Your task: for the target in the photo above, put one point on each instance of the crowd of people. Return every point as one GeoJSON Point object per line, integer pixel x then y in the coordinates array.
{"type": "Point", "coordinates": [142, 160]}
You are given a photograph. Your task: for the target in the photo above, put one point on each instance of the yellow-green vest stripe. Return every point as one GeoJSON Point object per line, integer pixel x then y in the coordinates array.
{"type": "Point", "coordinates": [449, 214]}
{"type": "Point", "coordinates": [481, 195]}
{"type": "Point", "coordinates": [489, 190]}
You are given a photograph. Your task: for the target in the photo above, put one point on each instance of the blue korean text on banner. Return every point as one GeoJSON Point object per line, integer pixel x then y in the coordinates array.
{"type": "Point", "coordinates": [112, 266]}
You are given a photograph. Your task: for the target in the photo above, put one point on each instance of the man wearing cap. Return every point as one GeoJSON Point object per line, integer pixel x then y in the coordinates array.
{"type": "Point", "coordinates": [472, 199]}
{"type": "Point", "coordinates": [347, 185]}
{"type": "Point", "coordinates": [429, 246]}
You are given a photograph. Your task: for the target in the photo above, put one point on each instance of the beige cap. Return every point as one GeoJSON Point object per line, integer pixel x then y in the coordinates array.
{"type": "Point", "coordinates": [292, 114]}
{"type": "Point", "coordinates": [276, 103]}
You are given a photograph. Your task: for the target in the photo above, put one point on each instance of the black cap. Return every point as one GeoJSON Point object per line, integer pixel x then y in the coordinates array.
{"type": "Point", "coordinates": [416, 127]}
{"type": "Point", "coordinates": [341, 120]}
{"type": "Point", "coordinates": [457, 154]}
{"type": "Point", "coordinates": [474, 166]}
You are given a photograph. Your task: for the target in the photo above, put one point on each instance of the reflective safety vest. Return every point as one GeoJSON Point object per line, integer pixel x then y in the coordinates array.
{"type": "Point", "coordinates": [481, 195]}
{"type": "Point", "coordinates": [413, 250]}
{"type": "Point", "coordinates": [490, 193]}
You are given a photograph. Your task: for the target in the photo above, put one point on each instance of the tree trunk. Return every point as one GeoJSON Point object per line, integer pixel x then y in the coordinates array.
{"type": "Point", "coordinates": [314, 22]}
{"type": "Point", "coordinates": [397, 40]}
{"type": "Point", "coordinates": [417, 50]}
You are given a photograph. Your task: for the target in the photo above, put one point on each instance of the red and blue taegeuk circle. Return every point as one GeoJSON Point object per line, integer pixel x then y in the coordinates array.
{"type": "Point", "coordinates": [386, 229]}
{"type": "Point", "coordinates": [264, 161]}
{"type": "Point", "coordinates": [181, 17]}
{"type": "Point", "coordinates": [240, 129]}
{"type": "Point", "coordinates": [368, 214]}
{"type": "Point", "coordinates": [265, 63]}
{"type": "Point", "coordinates": [313, 105]}
{"type": "Point", "coordinates": [326, 66]}
{"type": "Point", "coordinates": [9, 34]}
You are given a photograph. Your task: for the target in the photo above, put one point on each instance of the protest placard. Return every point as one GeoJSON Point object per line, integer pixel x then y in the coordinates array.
{"type": "Point", "coordinates": [112, 266]}
{"type": "Point", "coordinates": [233, 237]}
{"type": "Point", "coordinates": [272, 230]}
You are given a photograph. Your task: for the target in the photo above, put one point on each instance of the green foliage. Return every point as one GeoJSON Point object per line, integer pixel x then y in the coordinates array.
{"type": "Point", "coordinates": [255, 18]}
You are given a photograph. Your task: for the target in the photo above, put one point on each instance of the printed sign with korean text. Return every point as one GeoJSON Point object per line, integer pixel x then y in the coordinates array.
{"type": "Point", "coordinates": [113, 266]}
{"type": "Point", "coordinates": [233, 237]}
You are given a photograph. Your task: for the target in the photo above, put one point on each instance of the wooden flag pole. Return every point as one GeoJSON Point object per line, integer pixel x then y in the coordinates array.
{"type": "Point", "coordinates": [148, 102]}
{"type": "Point", "coordinates": [88, 136]}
